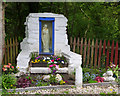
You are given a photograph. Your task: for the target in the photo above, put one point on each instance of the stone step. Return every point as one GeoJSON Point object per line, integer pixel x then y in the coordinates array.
{"type": "Point", "coordinates": [47, 70]}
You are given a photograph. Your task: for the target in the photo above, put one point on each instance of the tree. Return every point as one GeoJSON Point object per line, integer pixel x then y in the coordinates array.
{"type": "Point", "coordinates": [0, 32]}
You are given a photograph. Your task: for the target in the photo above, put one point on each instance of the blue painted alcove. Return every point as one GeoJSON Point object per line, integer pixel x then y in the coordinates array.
{"type": "Point", "coordinates": [41, 21]}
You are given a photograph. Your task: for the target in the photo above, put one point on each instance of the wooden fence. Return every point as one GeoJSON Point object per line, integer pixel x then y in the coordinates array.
{"type": "Point", "coordinates": [11, 51]}
{"type": "Point", "coordinates": [96, 53]}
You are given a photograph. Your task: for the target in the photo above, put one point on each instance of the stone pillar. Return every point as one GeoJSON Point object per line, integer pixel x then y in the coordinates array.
{"type": "Point", "coordinates": [78, 77]}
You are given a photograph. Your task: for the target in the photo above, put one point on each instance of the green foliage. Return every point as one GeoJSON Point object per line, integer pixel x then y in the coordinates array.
{"type": "Point", "coordinates": [85, 19]}
{"type": "Point", "coordinates": [8, 81]}
{"type": "Point", "coordinates": [42, 83]}
{"type": "Point", "coordinates": [92, 81]}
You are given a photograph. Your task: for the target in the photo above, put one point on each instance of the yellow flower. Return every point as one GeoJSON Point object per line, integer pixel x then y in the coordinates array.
{"type": "Point", "coordinates": [18, 67]}
{"type": "Point", "coordinates": [32, 61]}
{"type": "Point", "coordinates": [43, 59]}
{"type": "Point", "coordinates": [11, 85]}
{"type": "Point", "coordinates": [38, 60]}
{"type": "Point", "coordinates": [110, 89]}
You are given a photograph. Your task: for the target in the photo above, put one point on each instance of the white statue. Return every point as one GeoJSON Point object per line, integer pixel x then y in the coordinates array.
{"type": "Point", "coordinates": [45, 38]}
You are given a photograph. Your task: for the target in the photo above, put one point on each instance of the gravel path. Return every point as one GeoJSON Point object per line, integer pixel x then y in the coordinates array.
{"type": "Point", "coordinates": [78, 90]}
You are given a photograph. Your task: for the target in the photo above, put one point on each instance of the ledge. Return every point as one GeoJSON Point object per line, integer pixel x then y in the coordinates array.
{"type": "Point", "coordinates": [60, 86]}
{"type": "Point", "coordinates": [46, 70]}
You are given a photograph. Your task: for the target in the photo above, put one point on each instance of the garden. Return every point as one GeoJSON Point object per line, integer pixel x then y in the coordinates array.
{"type": "Point", "coordinates": [11, 80]}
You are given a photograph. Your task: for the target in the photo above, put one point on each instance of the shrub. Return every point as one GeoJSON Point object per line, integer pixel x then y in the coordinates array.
{"type": "Point", "coordinates": [24, 82]}
{"type": "Point", "coordinates": [8, 81]}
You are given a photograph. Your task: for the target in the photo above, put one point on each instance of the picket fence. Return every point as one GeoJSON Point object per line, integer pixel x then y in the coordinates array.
{"type": "Point", "coordinates": [11, 51]}
{"type": "Point", "coordinates": [96, 54]}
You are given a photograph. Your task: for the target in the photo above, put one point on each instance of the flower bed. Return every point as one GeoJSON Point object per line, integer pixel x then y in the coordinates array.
{"type": "Point", "coordinates": [44, 61]}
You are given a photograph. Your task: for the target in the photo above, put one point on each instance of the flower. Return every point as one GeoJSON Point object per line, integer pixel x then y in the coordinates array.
{"type": "Point", "coordinates": [43, 60]}
{"type": "Point", "coordinates": [4, 69]}
{"type": "Point", "coordinates": [9, 64]}
{"type": "Point", "coordinates": [12, 67]}
{"type": "Point", "coordinates": [62, 62]}
{"type": "Point", "coordinates": [48, 57]}
{"type": "Point", "coordinates": [11, 85]}
{"type": "Point", "coordinates": [37, 57]}
{"type": "Point", "coordinates": [54, 71]}
{"type": "Point", "coordinates": [57, 66]}
{"type": "Point", "coordinates": [52, 60]}
{"type": "Point", "coordinates": [50, 65]}
{"type": "Point", "coordinates": [111, 90]}
{"type": "Point", "coordinates": [55, 62]}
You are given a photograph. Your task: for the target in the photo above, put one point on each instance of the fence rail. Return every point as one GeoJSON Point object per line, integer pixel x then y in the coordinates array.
{"type": "Point", "coordinates": [11, 51]}
{"type": "Point", "coordinates": [96, 53]}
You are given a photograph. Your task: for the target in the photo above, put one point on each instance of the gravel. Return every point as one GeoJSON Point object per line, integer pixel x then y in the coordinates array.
{"type": "Point", "coordinates": [77, 90]}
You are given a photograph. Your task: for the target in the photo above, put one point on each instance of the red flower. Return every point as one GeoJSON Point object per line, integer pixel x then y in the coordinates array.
{"type": "Point", "coordinates": [12, 67]}
{"type": "Point", "coordinates": [54, 64]}
{"type": "Point", "coordinates": [52, 60]}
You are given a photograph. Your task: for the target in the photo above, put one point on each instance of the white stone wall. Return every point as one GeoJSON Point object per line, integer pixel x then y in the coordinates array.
{"type": "Point", "coordinates": [31, 42]}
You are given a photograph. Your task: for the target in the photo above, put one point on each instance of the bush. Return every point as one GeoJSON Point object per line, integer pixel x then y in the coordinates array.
{"type": "Point", "coordinates": [8, 81]}
{"type": "Point", "coordinates": [24, 82]}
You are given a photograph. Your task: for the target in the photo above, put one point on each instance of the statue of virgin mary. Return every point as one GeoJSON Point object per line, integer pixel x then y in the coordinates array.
{"type": "Point", "coordinates": [45, 38]}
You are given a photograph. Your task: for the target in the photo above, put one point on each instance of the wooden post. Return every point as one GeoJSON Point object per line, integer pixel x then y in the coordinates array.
{"type": "Point", "coordinates": [116, 53]}
{"type": "Point", "coordinates": [96, 50]}
{"type": "Point", "coordinates": [85, 45]}
{"type": "Point", "coordinates": [74, 44]}
{"type": "Point", "coordinates": [78, 45]}
{"type": "Point", "coordinates": [11, 51]}
{"type": "Point", "coordinates": [100, 49]}
{"type": "Point", "coordinates": [112, 51]}
{"type": "Point", "coordinates": [88, 52]}
{"type": "Point", "coordinates": [92, 52]}
{"type": "Point", "coordinates": [71, 43]}
{"type": "Point", "coordinates": [107, 59]}
{"type": "Point", "coordinates": [8, 55]}
{"type": "Point", "coordinates": [81, 46]}
{"type": "Point", "coordinates": [16, 43]}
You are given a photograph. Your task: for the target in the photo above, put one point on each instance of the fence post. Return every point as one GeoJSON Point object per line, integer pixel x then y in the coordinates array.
{"type": "Point", "coordinates": [88, 53]}
{"type": "Point", "coordinates": [107, 59]}
{"type": "Point", "coordinates": [11, 51]}
{"type": "Point", "coordinates": [81, 46]}
{"type": "Point", "coordinates": [112, 51]}
{"type": "Point", "coordinates": [100, 49]}
{"type": "Point", "coordinates": [85, 45]}
{"type": "Point", "coordinates": [8, 55]}
{"type": "Point", "coordinates": [116, 53]}
{"type": "Point", "coordinates": [96, 50]}
{"type": "Point", "coordinates": [74, 44]}
{"type": "Point", "coordinates": [92, 52]}
{"type": "Point", "coordinates": [78, 44]}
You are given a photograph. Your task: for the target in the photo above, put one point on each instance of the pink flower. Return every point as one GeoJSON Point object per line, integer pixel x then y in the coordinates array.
{"type": "Point", "coordinates": [4, 69]}
{"type": "Point", "coordinates": [9, 64]}
{"type": "Point", "coordinates": [52, 60]}
{"type": "Point", "coordinates": [12, 67]}
{"type": "Point", "coordinates": [54, 64]}
{"type": "Point", "coordinates": [50, 65]}
{"type": "Point", "coordinates": [57, 66]}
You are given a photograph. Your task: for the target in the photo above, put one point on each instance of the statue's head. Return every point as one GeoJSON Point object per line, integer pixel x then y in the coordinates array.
{"type": "Point", "coordinates": [45, 25]}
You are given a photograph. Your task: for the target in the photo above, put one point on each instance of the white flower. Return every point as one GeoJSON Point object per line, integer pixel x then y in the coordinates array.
{"type": "Point", "coordinates": [62, 62]}
{"type": "Point", "coordinates": [48, 57]}
{"type": "Point", "coordinates": [55, 62]}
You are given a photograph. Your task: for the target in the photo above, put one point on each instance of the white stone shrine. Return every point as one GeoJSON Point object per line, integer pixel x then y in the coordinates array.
{"type": "Point", "coordinates": [31, 44]}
